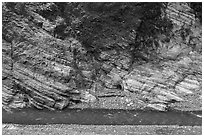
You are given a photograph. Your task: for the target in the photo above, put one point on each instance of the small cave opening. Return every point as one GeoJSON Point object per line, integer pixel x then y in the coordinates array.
{"type": "Point", "coordinates": [119, 86]}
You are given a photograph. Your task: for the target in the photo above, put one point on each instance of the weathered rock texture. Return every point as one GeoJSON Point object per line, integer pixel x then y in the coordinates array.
{"type": "Point", "coordinates": [180, 13]}
{"type": "Point", "coordinates": [42, 71]}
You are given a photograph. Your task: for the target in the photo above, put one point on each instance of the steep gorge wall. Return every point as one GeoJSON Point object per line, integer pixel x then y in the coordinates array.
{"type": "Point", "coordinates": [42, 71]}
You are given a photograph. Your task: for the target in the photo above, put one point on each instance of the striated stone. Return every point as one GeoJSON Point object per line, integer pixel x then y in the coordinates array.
{"type": "Point", "coordinates": [162, 98]}
{"type": "Point", "coordinates": [133, 85]}
{"type": "Point", "coordinates": [120, 72]}
{"type": "Point", "coordinates": [87, 97]}
{"type": "Point", "coordinates": [188, 85]}
{"type": "Point", "coordinates": [61, 104]}
{"type": "Point", "coordinates": [51, 74]}
{"type": "Point", "coordinates": [61, 68]}
{"type": "Point", "coordinates": [157, 78]}
{"type": "Point", "coordinates": [183, 90]}
{"type": "Point", "coordinates": [170, 95]}
{"type": "Point", "coordinates": [158, 106]}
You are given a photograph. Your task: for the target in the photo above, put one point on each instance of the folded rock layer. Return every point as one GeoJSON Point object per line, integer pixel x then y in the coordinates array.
{"type": "Point", "coordinates": [41, 71]}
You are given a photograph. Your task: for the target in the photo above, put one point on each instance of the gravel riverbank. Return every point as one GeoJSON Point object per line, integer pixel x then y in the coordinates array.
{"type": "Point", "coordinates": [62, 129]}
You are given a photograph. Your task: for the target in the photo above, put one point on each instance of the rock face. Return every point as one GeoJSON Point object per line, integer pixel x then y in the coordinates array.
{"type": "Point", "coordinates": [41, 71]}
{"type": "Point", "coordinates": [180, 12]}
{"type": "Point", "coordinates": [165, 84]}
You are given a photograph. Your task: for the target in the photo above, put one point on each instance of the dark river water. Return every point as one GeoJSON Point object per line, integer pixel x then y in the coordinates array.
{"type": "Point", "coordinates": [103, 117]}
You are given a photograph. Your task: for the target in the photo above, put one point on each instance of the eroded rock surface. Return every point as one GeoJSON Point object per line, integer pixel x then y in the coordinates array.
{"type": "Point", "coordinates": [41, 71]}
